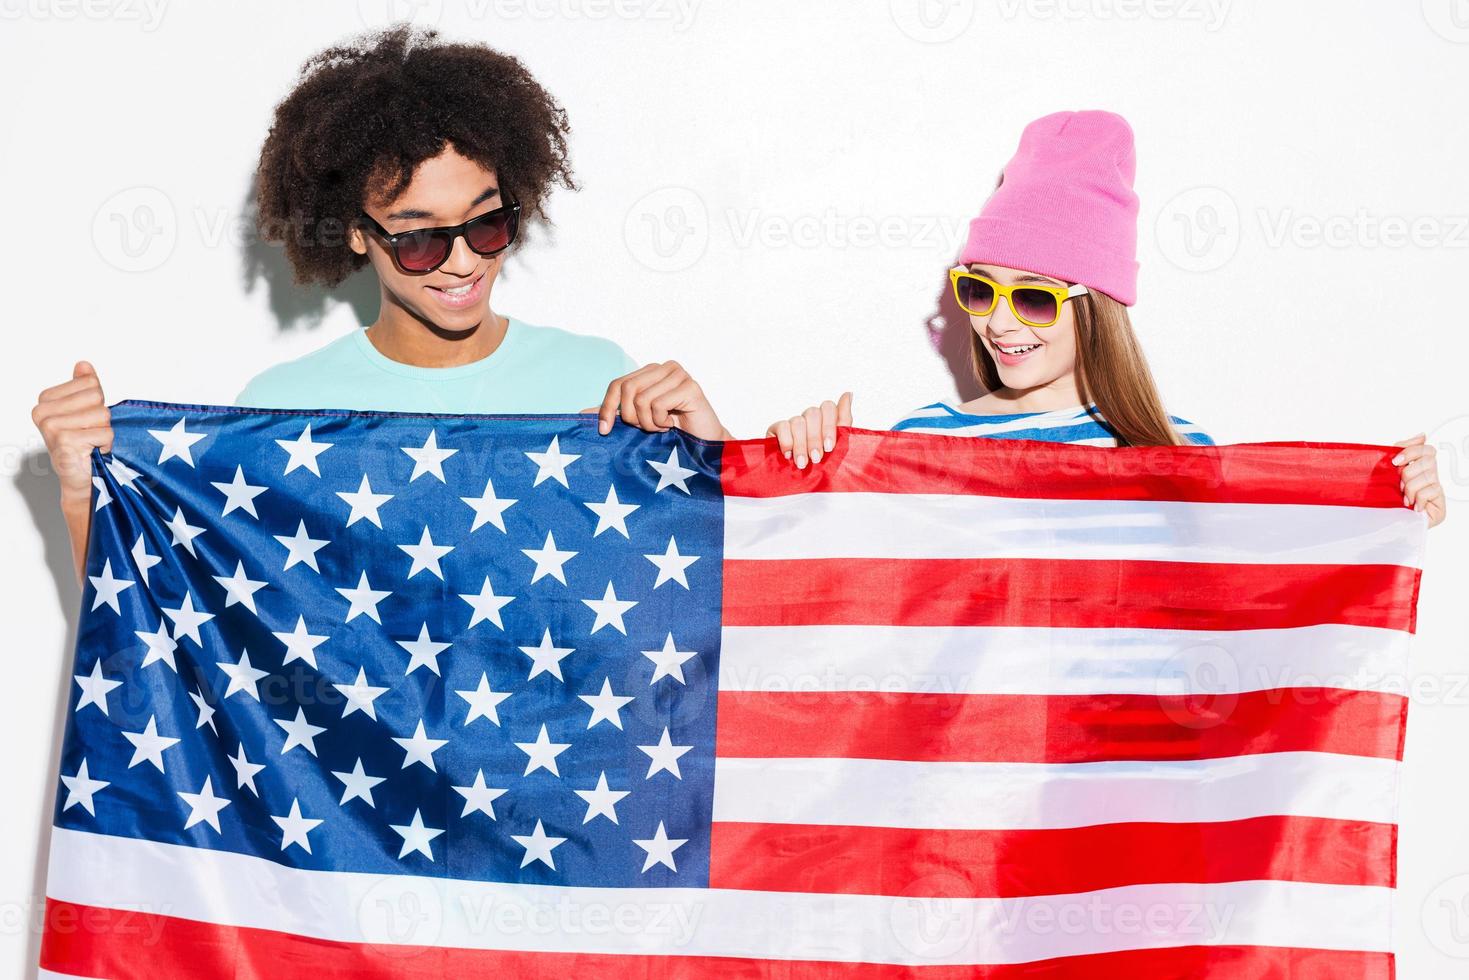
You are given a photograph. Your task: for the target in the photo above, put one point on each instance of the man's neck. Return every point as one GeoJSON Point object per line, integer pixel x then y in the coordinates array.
{"type": "Point", "coordinates": [403, 337]}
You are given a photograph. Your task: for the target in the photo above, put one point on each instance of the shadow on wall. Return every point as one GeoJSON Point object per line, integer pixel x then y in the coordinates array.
{"type": "Point", "coordinates": [35, 482]}
{"type": "Point", "coordinates": [948, 331]}
{"type": "Point", "coordinates": [296, 306]}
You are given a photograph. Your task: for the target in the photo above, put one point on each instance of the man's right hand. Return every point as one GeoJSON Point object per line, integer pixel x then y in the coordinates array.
{"type": "Point", "coordinates": [73, 419]}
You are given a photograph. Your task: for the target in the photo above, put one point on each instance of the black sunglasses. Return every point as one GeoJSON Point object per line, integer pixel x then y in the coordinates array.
{"type": "Point", "coordinates": [425, 249]}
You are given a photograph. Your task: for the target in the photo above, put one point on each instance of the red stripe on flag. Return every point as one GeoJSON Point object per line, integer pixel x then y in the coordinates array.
{"type": "Point", "coordinates": [1057, 728]}
{"type": "Point", "coordinates": [1021, 863]}
{"type": "Point", "coordinates": [88, 941]}
{"type": "Point", "coordinates": [1065, 592]}
{"type": "Point", "coordinates": [1349, 474]}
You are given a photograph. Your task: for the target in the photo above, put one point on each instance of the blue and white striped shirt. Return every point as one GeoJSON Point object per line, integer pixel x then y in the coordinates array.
{"type": "Point", "coordinates": [1071, 425]}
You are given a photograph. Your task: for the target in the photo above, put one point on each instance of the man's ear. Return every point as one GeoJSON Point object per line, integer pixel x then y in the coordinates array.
{"type": "Point", "coordinates": [356, 240]}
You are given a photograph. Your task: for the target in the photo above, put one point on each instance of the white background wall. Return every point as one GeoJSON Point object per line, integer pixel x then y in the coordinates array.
{"type": "Point", "coordinates": [772, 192]}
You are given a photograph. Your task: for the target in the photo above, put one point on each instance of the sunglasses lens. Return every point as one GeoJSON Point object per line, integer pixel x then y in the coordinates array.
{"type": "Point", "coordinates": [422, 252]}
{"type": "Point", "coordinates": [1035, 306]}
{"type": "Point", "coordinates": [492, 232]}
{"type": "Point", "coordinates": [976, 295]}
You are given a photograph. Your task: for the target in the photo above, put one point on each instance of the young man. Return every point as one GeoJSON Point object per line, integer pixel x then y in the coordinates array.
{"type": "Point", "coordinates": [422, 159]}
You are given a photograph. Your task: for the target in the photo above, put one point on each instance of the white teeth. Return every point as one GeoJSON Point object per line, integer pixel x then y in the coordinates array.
{"type": "Point", "coordinates": [1018, 350]}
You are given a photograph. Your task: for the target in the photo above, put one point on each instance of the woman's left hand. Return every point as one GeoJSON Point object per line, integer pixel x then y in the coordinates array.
{"type": "Point", "coordinates": [1418, 468]}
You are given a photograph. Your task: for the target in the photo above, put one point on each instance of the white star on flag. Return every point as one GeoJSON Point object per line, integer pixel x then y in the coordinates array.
{"type": "Point", "coordinates": [672, 566]}
{"type": "Point", "coordinates": [204, 806]}
{"type": "Point", "coordinates": [204, 712]}
{"type": "Point", "coordinates": [426, 555]}
{"type": "Point", "coordinates": [542, 753]}
{"type": "Point", "coordinates": [183, 532]}
{"type": "Point", "coordinates": [601, 801]}
{"type": "Point", "coordinates": [423, 652]}
{"type": "Point", "coordinates": [549, 560]}
{"type": "Point", "coordinates": [429, 458]}
{"type": "Point", "coordinates": [80, 788]}
{"type": "Point", "coordinates": [104, 496]}
{"type": "Point", "coordinates": [161, 646]}
{"type": "Point", "coordinates": [301, 547]}
{"type": "Point", "coordinates": [669, 661]}
{"type": "Point", "coordinates": [303, 451]}
{"type": "Point", "coordinates": [243, 677]}
{"type": "Point", "coordinates": [552, 464]}
{"type": "Point", "coordinates": [363, 600]}
{"type": "Point", "coordinates": [95, 688]}
{"type": "Point", "coordinates": [416, 837]}
{"type": "Point", "coordinates": [176, 442]}
{"type": "Point", "coordinates": [420, 748]}
{"type": "Point", "coordinates": [295, 827]}
{"type": "Point", "coordinates": [486, 604]}
{"type": "Point", "coordinates": [546, 658]}
{"type": "Point", "coordinates": [300, 644]}
{"type": "Point", "coordinates": [148, 745]}
{"type": "Point", "coordinates": [124, 474]}
{"type": "Point", "coordinates": [660, 848]}
{"type": "Point", "coordinates": [108, 587]}
{"type": "Point", "coordinates": [488, 509]}
{"type": "Point", "coordinates": [238, 495]}
{"type": "Point", "coordinates": [538, 846]}
{"type": "Point", "coordinates": [142, 559]}
{"type": "Point", "coordinates": [187, 620]}
{"type": "Point", "coordinates": [605, 705]}
{"type": "Point", "coordinates": [671, 473]}
{"type": "Point", "coordinates": [357, 784]}
{"type": "Point", "coordinates": [609, 610]}
{"type": "Point", "coordinates": [245, 770]}
{"type": "Point", "coordinates": [483, 702]}
{"type": "Point", "coordinates": [364, 503]}
{"type": "Point", "coordinates": [360, 695]}
{"type": "Point", "coordinates": [240, 588]}
{"type": "Point", "coordinates": [664, 756]}
{"type": "Point", "coordinates": [611, 513]}
{"type": "Point", "coordinates": [479, 797]}
{"type": "Point", "coordinates": [299, 732]}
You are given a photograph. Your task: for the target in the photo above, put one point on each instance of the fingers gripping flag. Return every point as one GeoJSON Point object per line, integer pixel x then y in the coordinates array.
{"type": "Point", "coordinates": [377, 695]}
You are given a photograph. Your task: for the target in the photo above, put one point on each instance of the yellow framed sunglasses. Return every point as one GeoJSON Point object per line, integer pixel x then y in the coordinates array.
{"type": "Point", "coordinates": [1034, 304]}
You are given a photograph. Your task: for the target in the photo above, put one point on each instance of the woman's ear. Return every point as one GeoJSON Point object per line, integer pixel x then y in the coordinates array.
{"type": "Point", "coordinates": [357, 241]}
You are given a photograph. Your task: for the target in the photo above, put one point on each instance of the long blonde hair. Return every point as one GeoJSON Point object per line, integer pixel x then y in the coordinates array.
{"type": "Point", "coordinates": [1111, 372]}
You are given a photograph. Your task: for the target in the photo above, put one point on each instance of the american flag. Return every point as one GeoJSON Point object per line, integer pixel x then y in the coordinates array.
{"type": "Point", "coordinates": [368, 694]}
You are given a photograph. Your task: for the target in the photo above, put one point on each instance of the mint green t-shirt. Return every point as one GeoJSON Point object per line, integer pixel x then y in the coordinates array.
{"type": "Point", "coordinates": [535, 369]}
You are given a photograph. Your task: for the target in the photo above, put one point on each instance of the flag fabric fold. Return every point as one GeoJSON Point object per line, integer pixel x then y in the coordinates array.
{"type": "Point", "coordinates": [370, 694]}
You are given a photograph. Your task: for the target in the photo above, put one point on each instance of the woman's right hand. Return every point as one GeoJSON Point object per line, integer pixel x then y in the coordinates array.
{"type": "Point", "coordinates": [73, 418]}
{"type": "Point", "coordinates": [813, 433]}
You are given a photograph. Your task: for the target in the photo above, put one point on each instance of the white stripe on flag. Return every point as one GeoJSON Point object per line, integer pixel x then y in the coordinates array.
{"type": "Point", "coordinates": [1040, 796]}
{"type": "Point", "coordinates": [922, 525]}
{"type": "Point", "coordinates": [1061, 661]}
{"type": "Point", "coordinates": [240, 890]}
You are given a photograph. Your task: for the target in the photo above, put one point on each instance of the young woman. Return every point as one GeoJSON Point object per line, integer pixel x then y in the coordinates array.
{"type": "Point", "coordinates": [1046, 277]}
{"type": "Point", "coordinates": [422, 160]}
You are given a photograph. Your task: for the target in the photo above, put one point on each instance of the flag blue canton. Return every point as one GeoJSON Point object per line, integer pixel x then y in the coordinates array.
{"type": "Point", "coordinates": [472, 646]}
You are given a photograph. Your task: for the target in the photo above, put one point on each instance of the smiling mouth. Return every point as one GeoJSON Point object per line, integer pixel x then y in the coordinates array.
{"type": "Point", "coordinates": [458, 291]}
{"type": "Point", "coordinates": [1021, 349]}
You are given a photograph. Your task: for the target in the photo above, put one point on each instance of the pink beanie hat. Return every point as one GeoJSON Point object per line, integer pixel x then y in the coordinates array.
{"type": "Point", "coordinates": [1066, 207]}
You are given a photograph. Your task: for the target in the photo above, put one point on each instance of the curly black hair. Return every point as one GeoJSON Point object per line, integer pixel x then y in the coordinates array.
{"type": "Point", "coordinates": [365, 113]}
